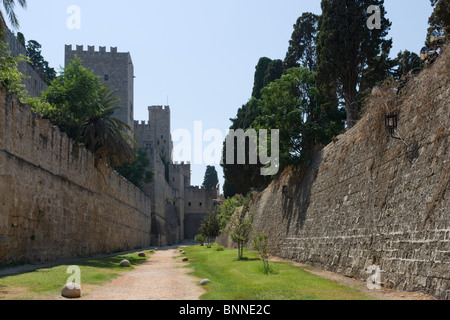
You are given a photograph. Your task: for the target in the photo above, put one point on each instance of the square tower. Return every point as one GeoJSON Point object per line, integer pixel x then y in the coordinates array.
{"type": "Point", "coordinates": [114, 68]}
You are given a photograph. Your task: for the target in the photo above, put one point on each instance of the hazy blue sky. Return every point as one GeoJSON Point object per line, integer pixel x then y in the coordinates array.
{"type": "Point", "coordinates": [198, 54]}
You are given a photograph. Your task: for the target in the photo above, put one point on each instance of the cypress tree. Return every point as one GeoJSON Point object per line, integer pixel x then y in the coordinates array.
{"type": "Point", "coordinates": [351, 57]}
{"type": "Point", "coordinates": [211, 179]}
{"type": "Point", "coordinates": [302, 46]}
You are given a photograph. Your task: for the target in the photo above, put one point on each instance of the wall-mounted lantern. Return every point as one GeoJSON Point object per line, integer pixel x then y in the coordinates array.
{"type": "Point", "coordinates": [391, 123]}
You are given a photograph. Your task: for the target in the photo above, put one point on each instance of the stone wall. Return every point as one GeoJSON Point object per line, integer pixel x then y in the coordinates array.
{"type": "Point", "coordinates": [198, 203]}
{"type": "Point", "coordinates": [167, 207]}
{"type": "Point", "coordinates": [54, 203]}
{"type": "Point", "coordinates": [368, 198]}
{"type": "Point", "coordinates": [33, 82]}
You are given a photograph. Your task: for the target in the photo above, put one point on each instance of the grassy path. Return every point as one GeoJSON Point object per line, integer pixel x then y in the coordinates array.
{"type": "Point", "coordinates": [45, 283]}
{"type": "Point", "coordinates": [245, 280]}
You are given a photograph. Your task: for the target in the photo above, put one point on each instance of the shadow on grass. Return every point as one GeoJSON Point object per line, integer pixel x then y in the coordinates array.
{"type": "Point", "coordinates": [244, 259]}
{"type": "Point", "coordinates": [111, 262]}
{"type": "Point", "coordinates": [107, 262]}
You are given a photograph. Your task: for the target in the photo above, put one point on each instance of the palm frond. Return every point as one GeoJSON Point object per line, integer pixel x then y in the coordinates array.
{"type": "Point", "coordinates": [9, 6]}
{"type": "Point", "coordinates": [108, 138]}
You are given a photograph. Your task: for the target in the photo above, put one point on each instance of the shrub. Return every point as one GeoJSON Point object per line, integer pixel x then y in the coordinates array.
{"type": "Point", "coordinates": [200, 238]}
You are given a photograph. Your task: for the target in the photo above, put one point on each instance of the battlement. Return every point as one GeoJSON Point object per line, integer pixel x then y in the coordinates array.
{"type": "Point", "coordinates": [182, 163]}
{"type": "Point", "coordinates": [195, 188]}
{"type": "Point", "coordinates": [152, 108]}
{"type": "Point", "coordinates": [91, 49]}
{"type": "Point", "coordinates": [141, 123]}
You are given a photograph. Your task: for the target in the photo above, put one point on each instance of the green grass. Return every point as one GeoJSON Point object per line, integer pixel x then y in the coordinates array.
{"type": "Point", "coordinates": [47, 282]}
{"type": "Point", "coordinates": [245, 280]}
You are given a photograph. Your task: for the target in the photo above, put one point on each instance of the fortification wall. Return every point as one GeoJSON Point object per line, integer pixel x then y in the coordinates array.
{"type": "Point", "coordinates": [198, 202]}
{"type": "Point", "coordinates": [167, 193]}
{"type": "Point", "coordinates": [167, 206]}
{"type": "Point", "coordinates": [54, 203]}
{"type": "Point", "coordinates": [370, 199]}
{"type": "Point", "coordinates": [33, 82]}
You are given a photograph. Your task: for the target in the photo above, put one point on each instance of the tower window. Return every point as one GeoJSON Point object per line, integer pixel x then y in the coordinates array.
{"type": "Point", "coordinates": [106, 77]}
{"type": "Point", "coordinates": [200, 204]}
{"type": "Point", "coordinates": [190, 204]}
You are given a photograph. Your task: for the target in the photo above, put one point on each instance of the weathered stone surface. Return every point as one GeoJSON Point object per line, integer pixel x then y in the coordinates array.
{"type": "Point", "coordinates": [54, 203]}
{"type": "Point", "coordinates": [185, 259]}
{"type": "Point", "coordinates": [141, 254]}
{"type": "Point", "coordinates": [71, 291]}
{"type": "Point", "coordinates": [368, 199]}
{"type": "Point", "coordinates": [125, 264]}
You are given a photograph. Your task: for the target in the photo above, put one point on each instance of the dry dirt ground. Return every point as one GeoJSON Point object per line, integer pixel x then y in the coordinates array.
{"type": "Point", "coordinates": [165, 277]}
{"type": "Point", "coordinates": [162, 277]}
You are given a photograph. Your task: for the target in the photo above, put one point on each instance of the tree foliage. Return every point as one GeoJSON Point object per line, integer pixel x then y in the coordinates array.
{"type": "Point", "coordinates": [290, 104]}
{"type": "Point", "coordinates": [406, 63]}
{"type": "Point", "coordinates": [243, 178]}
{"type": "Point", "coordinates": [261, 245]}
{"type": "Point", "coordinates": [228, 207]}
{"type": "Point", "coordinates": [10, 76]}
{"type": "Point", "coordinates": [136, 172]}
{"type": "Point", "coordinates": [37, 61]}
{"type": "Point", "coordinates": [80, 105]}
{"type": "Point", "coordinates": [267, 70]}
{"type": "Point", "coordinates": [440, 18]}
{"type": "Point", "coordinates": [210, 226]}
{"type": "Point", "coordinates": [229, 190]}
{"type": "Point", "coordinates": [351, 57]}
{"type": "Point", "coordinates": [302, 46]}
{"type": "Point", "coordinates": [211, 180]}
{"type": "Point", "coordinates": [240, 228]}
{"type": "Point", "coordinates": [248, 176]}
{"type": "Point", "coordinates": [8, 10]}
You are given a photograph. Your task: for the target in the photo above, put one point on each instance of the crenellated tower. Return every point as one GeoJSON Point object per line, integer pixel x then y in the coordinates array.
{"type": "Point", "coordinates": [114, 68]}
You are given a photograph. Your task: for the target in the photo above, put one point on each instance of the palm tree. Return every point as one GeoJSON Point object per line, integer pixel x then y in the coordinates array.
{"type": "Point", "coordinates": [108, 138]}
{"type": "Point", "coordinates": [8, 6]}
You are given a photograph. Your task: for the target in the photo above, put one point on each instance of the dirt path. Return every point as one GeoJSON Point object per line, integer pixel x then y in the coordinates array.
{"type": "Point", "coordinates": [162, 277]}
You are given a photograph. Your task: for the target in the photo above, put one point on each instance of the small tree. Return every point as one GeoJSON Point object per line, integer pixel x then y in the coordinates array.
{"type": "Point", "coordinates": [200, 238]}
{"type": "Point", "coordinates": [210, 226]}
{"type": "Point", "coordinates": [240, 228]}
{"type": "Point", "coordinates": [228, 207]}
{"type": "Point", "coordinates": [261, 245]}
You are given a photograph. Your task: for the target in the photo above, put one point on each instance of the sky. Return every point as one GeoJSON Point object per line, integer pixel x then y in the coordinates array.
{"type": "Point", "coordinates": [198, 56]}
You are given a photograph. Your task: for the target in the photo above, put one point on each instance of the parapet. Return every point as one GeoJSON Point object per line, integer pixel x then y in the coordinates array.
{"type": "Point", "coordinates": [141, 123]}
{"type": "Point", "coordinates": [182, 163]}
{"type": "Point", "coordinates": [91, 49]}
{"type": "Point", "coordinates": [150, 108]}
{"type": "Point", "coordinates": [196, 188]}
